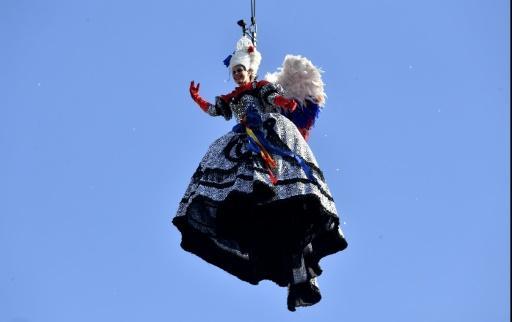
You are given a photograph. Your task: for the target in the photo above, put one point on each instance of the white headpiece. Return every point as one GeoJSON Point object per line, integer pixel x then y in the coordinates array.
{"type": "Point", "coordinates": [246, 55]}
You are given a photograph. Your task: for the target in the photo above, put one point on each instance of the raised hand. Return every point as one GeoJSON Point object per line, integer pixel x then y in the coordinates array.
{"type": "Point", "coordinates": [194, 93]}
{"type": "Point", "coordinates": [194, 90]}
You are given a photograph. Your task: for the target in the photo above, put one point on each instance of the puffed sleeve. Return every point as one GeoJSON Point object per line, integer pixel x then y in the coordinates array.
{"type": "Point", "coordinates": [268, 92]}
{"type": "Point", "coordinates": [221, 107]}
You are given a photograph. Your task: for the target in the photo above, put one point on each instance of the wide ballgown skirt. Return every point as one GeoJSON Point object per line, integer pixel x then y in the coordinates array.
{"type": "Point", "coordinates": [234, 217]}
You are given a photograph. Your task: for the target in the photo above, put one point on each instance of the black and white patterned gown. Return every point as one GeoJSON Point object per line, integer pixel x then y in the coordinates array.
{"type": "Point", "coordinates": [233, 216]}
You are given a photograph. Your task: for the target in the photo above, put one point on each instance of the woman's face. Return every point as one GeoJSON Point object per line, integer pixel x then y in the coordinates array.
{"type": "Point", "coordinates": [240, 75]}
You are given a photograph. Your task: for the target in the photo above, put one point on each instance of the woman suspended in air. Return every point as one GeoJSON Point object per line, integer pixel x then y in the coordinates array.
{"type": "Point", "coordinates": [258, 205]}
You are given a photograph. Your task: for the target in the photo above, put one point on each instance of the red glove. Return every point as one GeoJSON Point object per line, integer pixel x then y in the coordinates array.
{"type": "Point", "coordinates": [284, 102]}
{"type": "Point", "coordinates": [194, 93]}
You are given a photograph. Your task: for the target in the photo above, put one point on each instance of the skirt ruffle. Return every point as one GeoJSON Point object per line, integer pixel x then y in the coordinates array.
{"type": "Point", "coordinates": [234, 217]}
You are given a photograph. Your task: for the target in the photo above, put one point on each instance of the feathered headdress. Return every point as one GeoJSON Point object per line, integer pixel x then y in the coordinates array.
{"type": "Point", "coordinates": [245, 54]}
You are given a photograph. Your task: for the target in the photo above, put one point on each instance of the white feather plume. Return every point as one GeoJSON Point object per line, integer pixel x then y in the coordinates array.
{"type": "Point", "coordinates": [300, 79]}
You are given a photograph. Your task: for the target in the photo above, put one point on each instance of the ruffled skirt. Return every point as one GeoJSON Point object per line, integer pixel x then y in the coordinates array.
{"type": "Point", "coordinates": [233, 216]}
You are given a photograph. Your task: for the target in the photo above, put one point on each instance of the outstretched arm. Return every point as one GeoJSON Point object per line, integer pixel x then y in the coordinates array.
{"type": "Point", "coordinates": [194, 93]}
{"type": "Point", "coordinates": [271, 94]}
{"type": "Point", "coordinates": [220, 107]}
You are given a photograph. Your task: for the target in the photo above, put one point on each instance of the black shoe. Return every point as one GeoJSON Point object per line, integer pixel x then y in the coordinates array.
{"type": "Point", "coordinates": [303, 294]}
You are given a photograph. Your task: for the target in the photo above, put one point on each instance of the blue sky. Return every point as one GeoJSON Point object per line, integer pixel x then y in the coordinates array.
{"type": "Point", "coordinates": [99, 138]}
